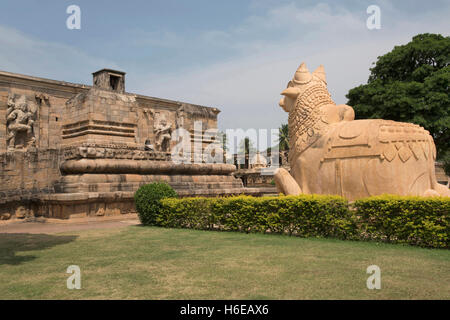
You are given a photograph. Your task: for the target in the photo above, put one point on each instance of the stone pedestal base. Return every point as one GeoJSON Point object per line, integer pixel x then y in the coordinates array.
{"type": "Point", "coordinates": [92, 187]}
{"type": "Point", "coordinates": [95, 204]}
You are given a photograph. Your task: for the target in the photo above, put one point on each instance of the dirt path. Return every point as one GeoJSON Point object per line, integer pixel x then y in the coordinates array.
{"type": "Point", "coordinates": [55, 227]}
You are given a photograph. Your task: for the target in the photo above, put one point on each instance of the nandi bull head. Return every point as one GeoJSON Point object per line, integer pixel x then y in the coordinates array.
{"type": "Point", "coordinates": [302, 79]}
{"type": "Point", "coordinates": [331, 153]}
{"type": "Point", "coordinates": [315, 86]}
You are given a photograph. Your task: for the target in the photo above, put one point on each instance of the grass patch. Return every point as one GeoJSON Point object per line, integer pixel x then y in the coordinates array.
{"type": "Point", "coordinates": [154, 263]}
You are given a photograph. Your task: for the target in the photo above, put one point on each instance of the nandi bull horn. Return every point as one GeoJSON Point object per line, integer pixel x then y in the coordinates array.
{"type": "Point", "coordinates": [319, 73]}
{"type": "Point", "coordinates": [302, 75]}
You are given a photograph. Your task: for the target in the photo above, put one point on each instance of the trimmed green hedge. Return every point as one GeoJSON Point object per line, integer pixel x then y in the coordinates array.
{"type": "Point", "coordinates": [414, 220]}
{"type": "Point", "coordinates": [305, 215]}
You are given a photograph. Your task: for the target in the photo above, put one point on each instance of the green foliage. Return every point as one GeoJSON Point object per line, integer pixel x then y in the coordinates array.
{"type": "Point", "coordinates": [147, 200]}
{"type": "Point", "coordinates": [414, 220]}
{"type": "Point", "coordinates": [223, 138]}
{"type": "Point", "coordinates": [446, 161]}
{"type": "Point", "coordinates": [246, 146]}
{"type": "Point", "coordinates": [410, 84]}
{"type": "Point", "coordinates": [283, 140]}
{"type": "Point", "coordinates": [304, 215]}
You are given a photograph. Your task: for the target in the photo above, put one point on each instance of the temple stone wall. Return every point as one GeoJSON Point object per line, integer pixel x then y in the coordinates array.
{"type": "Point", "coordinates": [60, 105]}
{"type": "Point", "coordinates": [72, 150]}
{"type": "Point", "coordinates": [24, 177]}
{"type": "Point", "coordinates": [24, 174]}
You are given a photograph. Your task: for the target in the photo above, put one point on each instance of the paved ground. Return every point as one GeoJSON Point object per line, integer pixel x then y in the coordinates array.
{"type": "Point", "coordinates": [54, 227]}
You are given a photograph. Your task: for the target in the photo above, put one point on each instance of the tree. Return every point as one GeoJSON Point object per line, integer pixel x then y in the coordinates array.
{"type": "Point", "coordinates": [446, 163]}
{"type": "Point", "coordinates": [283, 138]}
{"type": "Point", "coordinates": [223, 138]}
{"type": "Point", "coordinates": [246, 146]}
{"type": "Point", "coordinates": [410, 84]}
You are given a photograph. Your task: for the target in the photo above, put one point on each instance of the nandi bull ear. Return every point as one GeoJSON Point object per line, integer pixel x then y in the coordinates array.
{"type": "Point", "coordinates": [320, 74]}
{"type": "Point", "coordinates": [291, 92]}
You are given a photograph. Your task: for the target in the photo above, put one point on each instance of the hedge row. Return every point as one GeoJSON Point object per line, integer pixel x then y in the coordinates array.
{"type": "Point", "coordinates": [415, 220]}
{"type": "Point", "coordinates": [305, 215]}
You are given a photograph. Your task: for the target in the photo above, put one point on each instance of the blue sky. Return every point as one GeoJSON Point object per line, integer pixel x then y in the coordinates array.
{"type": "Point", "coordinates": [233, 55]}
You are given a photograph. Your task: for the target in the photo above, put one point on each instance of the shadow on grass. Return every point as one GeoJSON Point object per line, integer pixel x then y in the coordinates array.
{"type": "Point", "coordinates": [11, 243]}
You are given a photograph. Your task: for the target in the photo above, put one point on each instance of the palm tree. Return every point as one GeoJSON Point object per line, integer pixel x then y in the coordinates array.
{"type": "Point", "coordinates": [283, 139]}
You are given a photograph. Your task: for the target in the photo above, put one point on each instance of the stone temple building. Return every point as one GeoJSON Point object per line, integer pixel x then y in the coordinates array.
{"type": "Point", "coordinates": [73, 150]}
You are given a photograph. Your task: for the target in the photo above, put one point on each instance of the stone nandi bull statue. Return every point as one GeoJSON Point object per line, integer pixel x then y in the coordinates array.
{"type": "Point", "coordinates": [331, 153]}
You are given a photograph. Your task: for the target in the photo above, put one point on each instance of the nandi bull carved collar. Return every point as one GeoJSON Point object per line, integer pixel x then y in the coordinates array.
{"type": "Point", "coordinates": [331, 153]}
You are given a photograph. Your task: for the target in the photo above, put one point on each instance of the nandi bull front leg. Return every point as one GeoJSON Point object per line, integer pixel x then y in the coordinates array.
{"type": "Point", "coordinates": [285, 183]}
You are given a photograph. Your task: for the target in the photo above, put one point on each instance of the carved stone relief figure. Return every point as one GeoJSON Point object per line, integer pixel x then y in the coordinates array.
{"type": "Point", "coordinates": [20, 117]}
{"type": "Point", "coordinates": [149, 115]}
{"type": "Point", "coordinates": [163, 132]}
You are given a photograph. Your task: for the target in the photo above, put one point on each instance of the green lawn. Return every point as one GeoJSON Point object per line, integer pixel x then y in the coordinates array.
{"type": "Point", "coordinates": [151, 263]}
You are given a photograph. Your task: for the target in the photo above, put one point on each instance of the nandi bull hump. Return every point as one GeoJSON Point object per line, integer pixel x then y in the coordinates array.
{"type": "Point", "coordinates": [331, 153]}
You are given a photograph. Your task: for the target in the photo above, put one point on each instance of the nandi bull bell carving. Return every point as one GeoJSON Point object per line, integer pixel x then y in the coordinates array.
{"type": "Point", "coordinates": [331, 153]}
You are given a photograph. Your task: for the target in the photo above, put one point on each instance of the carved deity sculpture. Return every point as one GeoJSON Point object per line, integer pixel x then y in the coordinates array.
{"type": "Point", "coordinates": [163, 131]}
{"type": "Point", "coordinates": [331, 153]}
{"type": "Point", "coordinates": [20, 117]}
